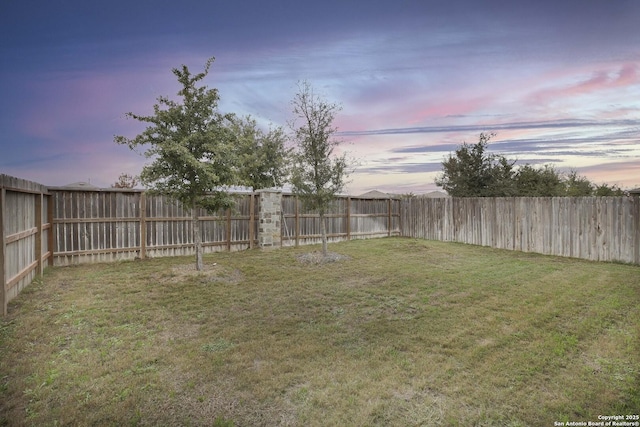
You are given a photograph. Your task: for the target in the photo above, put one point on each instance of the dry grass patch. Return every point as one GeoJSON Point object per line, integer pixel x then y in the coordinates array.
{"type": "Point", "coordinates": [397, 332]}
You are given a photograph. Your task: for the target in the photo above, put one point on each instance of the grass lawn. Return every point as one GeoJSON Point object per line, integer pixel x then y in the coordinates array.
{"type": "Point", "coordinates": [401, 333]}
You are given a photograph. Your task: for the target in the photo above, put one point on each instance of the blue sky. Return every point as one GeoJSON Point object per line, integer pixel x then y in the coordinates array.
{"type": "Point", "coordinates": [557, 81]}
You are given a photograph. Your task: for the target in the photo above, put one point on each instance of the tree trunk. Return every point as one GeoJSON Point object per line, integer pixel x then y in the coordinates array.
{"type": "Point", "coordinates": [197, 237]}
{"type": "Point", "coordinates": [323, 230]}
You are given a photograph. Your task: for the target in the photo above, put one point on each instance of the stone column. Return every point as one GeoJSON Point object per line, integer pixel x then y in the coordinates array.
{"type": "Point", "coordinates": [269, 215]}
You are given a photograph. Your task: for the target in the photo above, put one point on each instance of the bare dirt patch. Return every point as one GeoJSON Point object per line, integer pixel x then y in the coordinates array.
{"type": "Point", "coordinates": [318, 258]}
{"type": "Point", "coordinates": [211, 272]}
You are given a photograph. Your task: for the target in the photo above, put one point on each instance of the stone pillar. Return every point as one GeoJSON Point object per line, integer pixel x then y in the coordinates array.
{"type": "Point", "coordinates": [270, 214]}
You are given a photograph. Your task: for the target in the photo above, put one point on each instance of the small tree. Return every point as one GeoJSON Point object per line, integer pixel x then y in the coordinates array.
{"type": "Point", "coordinates": [192, 147]}
{"type": "Point", "coordinates": [578, 186]}
{"type": "Point", "coordinates": [317, 175]}
{"type": "Point", "coordinates": [472, 172]}
{"type": "Point", "coordinates": [539, 182]}
{"type": "Point", "coordinates": [263, 154]}
{"type": "Point", "coordinates": [609, 190]}
{"type": "Point", "coordinates": [126, 181]}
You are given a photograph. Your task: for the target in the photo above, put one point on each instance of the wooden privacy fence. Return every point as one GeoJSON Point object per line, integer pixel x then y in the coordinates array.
{"type": "Point", "coordinates": [25, 234]}
{"type": "Point", "coordinates": [61, 226]}
{"type": "Point", "coordinates": [593, 228]}
{"type": "Point", "coordinates": [110, 224]}
{"type": "Point", "coordinates": [349, 218]}
{"type": "Point", "coordinates": [115, 224]}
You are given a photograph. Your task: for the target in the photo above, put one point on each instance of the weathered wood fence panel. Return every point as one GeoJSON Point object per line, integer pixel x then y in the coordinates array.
{"type": "Point", "coordinates": [24, 235]}
{"type": "Point", "coordinates": [62, 226]}
{"type": "Point", "coordinates": [348, 218]}
{"type": "Point", "coordinates": [108, 225]}
{"type": "Point", "coordinates": [593, 228]}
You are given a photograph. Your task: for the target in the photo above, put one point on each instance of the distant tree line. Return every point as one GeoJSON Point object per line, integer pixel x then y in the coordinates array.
{"type": "Point", "coordinates": [473, 172]}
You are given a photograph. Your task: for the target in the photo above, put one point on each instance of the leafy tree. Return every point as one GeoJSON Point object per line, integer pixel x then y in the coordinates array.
{"type": "Point", "coordinates": [578, 186]}
{"type": "Point", "coordinates": [126, 180]}
{"type": "Point", "coordinates": [317, 174]}
{"type": "Point", "coordinates": [503, 173]}
{"type": "Point", "coordinates": [539, 182]}
{"type": "Point", "coordinates": [607, 190]}
{"type": "Point", "coordinates": [192, 147]}
{"type": "Point", "coordinates": [263, 154]}
{"type": "Point", "coordinates": [472, 172]}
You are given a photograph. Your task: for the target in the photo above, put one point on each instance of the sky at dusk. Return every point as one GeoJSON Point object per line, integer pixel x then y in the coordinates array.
{"type": "Point", "coordinates": [557, 81]}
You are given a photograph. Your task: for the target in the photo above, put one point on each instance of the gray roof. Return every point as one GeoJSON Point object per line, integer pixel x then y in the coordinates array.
{"type": "Point", "coordinates": [81, 185]}
{"type": "Point", "coordinates": [435, 194]}
{"type": "Point", "coordinates": [375, 194]}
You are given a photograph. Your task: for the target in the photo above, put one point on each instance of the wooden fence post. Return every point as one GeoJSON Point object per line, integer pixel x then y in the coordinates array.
{"type": "Point", "coordinates": [636, 222]}
{"type": "Point", "coordinates": [38, 245]}
{"type": "Point", "coordinates": [143, 225]}
{"type": "Point", "coordinates": [252, 218]}
{"type": "Point", "coordinates": [348, 218]}
{"type": "Point", "coordinates": [297, 225]}
{"type": "Point", "coordinates": [637, 239]}
{"type": "Point", "coordinates": [389, 218]}
{"type": "Point", "coordinates": [3, 246]}
{"type": "Point", "coordinates": [51, 244]}
{"type": "Point", "coordinates": [229, 230]}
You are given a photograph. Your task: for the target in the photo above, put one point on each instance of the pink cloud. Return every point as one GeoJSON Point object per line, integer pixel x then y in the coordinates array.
{"type": "Point", "coordinates": [623, 174]}
{"type": "Point", "coordinates": [625, 76]}
{"type": "Point", "coordinates": [628, 76]}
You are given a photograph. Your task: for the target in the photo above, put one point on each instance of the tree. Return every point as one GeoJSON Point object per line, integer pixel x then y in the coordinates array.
{"type": "Point", "coordinates": [263, 154]}
{"type": "Point", "coordinates": [192, 147]}
{"type": "Point", "coordinates": [607, 190]}
{"type": "Point", "coordinates": [317, 175]}
{"type": "Point", "coordinates": [539, 182]}
{"type": "Point", "coordinates": [126, 181]}
{"type": "Point", "coordinates": [578, 186]}
{"type": "Point", "coordinates": [472, 172]}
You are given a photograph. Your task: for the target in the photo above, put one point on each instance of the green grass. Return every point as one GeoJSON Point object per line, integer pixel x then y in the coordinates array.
{"type": "Point", "coordinates": [403, 332]}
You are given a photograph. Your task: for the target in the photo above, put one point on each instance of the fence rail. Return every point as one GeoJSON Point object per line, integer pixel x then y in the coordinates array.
{"type": "Point", "coordinates": [593, 228]}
